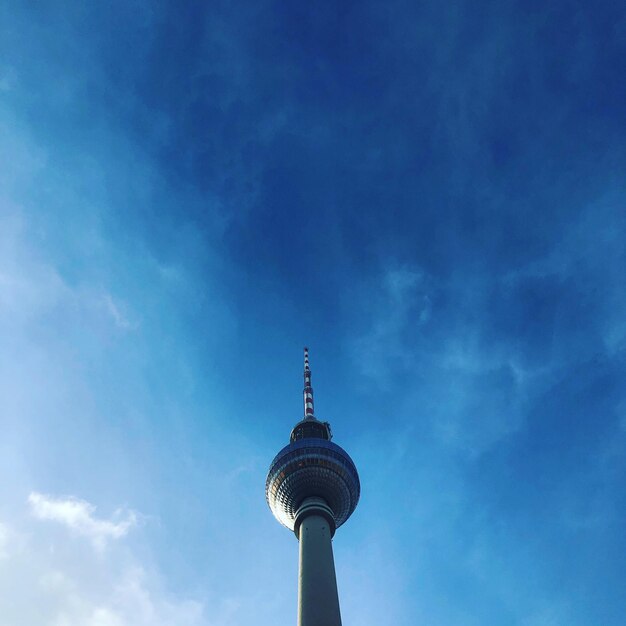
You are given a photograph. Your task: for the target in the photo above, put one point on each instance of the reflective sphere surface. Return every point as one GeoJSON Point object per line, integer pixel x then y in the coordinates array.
{"type": "Point", "coordinates": [308, 468]}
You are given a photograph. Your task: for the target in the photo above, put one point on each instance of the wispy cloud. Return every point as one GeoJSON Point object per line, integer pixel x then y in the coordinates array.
{"type": "Point", "coordinates": [79, 516]}
{"type": "Point", "coordinates": [399, 302]}
{"type": "Point", "coordinates": [114, 309]}
{"type": "Point", "coordinates": [4, 541]}
{"type": "Point", "coordinates": [468, 385]}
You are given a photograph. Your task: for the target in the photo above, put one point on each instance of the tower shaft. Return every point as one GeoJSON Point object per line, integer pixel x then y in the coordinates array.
{"type": "Point", "coordinates": [318, 600]}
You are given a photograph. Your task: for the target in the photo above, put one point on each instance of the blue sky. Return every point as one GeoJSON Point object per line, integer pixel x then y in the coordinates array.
{"type": "Point", "coordinates": [431, 196]}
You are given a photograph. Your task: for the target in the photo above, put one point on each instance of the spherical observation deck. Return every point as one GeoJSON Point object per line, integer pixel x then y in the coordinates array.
{"type": "Point", "coordinates": [307, 468]}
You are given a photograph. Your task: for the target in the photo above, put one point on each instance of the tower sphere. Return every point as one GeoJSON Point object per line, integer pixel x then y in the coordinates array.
{"type": "Point", "coordinates": [308, 468]}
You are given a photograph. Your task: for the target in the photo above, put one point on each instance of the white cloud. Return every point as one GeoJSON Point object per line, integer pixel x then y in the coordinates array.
{"type": "Point", "coordinates": [50, 579]}
{"type": "Point", "coordinates": [69, 587]}
{"type": "Point", "coordinates": [79, 516]}
{"type": "Point", "coordinates": [126, 599]}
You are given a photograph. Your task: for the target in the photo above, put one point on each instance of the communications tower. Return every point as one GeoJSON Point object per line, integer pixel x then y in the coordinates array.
{"type": "Point", "coordinates": [312, 488]}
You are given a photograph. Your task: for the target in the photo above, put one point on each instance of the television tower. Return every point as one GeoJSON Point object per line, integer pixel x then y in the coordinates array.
{"type": "Point", "coordinates": [312, 488]}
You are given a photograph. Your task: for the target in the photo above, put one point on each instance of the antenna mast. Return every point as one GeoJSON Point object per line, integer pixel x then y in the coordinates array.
{"type": "Point", "coordinates": [308, 390]}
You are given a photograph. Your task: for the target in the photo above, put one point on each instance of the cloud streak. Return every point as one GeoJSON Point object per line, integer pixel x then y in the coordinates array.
{"type": "Point", "coordinates": [79, 516]}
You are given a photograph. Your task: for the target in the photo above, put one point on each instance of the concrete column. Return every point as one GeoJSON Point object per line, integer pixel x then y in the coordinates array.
{"type": "Point", "coordinates": [318, 601]}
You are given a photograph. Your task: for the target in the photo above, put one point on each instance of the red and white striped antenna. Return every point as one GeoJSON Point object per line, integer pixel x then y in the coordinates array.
{"type": "Point", "coordinates": [308, 390]}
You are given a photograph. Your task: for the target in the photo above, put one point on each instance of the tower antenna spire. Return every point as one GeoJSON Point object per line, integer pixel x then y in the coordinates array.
{"type": "Point", "coordinates": [308, 390]}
